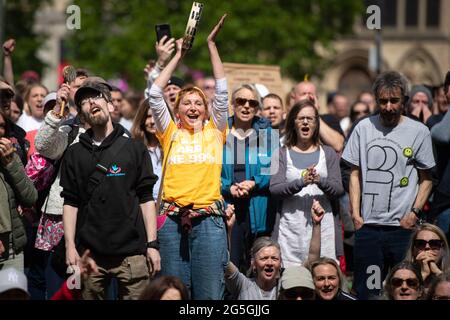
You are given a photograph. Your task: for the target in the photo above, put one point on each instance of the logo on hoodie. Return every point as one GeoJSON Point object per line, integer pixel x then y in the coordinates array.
{"type": "Point", "coordinates": [115, 171]}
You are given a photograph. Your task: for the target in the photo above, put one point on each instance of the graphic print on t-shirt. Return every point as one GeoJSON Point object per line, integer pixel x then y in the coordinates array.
{"type": "Point", "coordinates": [381, 159]}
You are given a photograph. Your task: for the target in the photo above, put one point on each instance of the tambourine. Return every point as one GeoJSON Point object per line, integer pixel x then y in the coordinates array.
{"type": "Point", "coordinates": [191, 27]}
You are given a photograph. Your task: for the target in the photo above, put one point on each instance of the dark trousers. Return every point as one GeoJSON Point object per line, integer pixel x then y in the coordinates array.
{"type": "Point", "coordinates": [377, 249]}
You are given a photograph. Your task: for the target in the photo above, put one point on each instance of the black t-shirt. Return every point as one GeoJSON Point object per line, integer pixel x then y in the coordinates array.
{"type": "Point", "coordinates": [333, 122]}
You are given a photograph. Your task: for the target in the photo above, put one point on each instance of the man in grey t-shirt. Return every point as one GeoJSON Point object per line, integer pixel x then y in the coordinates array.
{"type": "Point", "coordinates": [390, 181]}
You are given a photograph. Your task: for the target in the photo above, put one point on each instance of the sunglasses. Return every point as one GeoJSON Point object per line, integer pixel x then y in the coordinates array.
{"type": "Point", "coordinates": [410, 282]}
{"type": "Point", "coordinates": [434, 244]}
{"type": "Point", "coordinates": [242, 101]}
{"type": "Point", "coordinates": [294, 293]}
{"type": "Point", "coordinates": [391, 100]}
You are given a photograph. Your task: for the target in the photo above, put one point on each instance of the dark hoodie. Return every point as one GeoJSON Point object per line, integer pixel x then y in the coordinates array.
{"type": "Point", "coordinates": [109, 221]}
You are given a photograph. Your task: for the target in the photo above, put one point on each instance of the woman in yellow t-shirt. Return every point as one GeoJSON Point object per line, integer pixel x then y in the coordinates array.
{"type": "Point", "coordinates": [192, 234]}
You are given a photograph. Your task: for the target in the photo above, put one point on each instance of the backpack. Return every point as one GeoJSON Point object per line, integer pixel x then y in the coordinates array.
{"type": "Point", "coordinates": [43, 171]}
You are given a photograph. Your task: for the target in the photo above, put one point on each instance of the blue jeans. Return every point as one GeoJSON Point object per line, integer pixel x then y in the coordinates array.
{"type": "Point", "coordinates": [377, 249]}
{"type": "Point", "coordinates": [198, 258]}
{"type": "Point", "coordinates": [443, 220]}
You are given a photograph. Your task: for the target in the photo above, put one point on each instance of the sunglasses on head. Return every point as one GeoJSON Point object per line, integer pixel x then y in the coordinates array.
{"type": "Point", "coordinates": [242, 101]}
{"type": "Point", "coordinates": [434, 244]}
{"type": "Point", "coordinates": [410, 282]}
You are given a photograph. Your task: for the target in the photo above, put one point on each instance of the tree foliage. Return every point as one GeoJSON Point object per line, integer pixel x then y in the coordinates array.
{"type": "Point", "coordinates": [19, 21]}
{"type": "Point", "coordinates": [117, 37]}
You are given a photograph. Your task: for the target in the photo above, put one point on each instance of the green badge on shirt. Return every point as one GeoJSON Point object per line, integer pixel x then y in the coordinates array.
{"type": "Point", "coordinates": [304, 173]}
{"type": "Point", "coordinates": [408, 152]}
{"type": "Point", "coordinates": [404, 182]}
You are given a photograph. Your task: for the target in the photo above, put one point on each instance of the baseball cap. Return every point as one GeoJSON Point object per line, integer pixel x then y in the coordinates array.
{"type": "Point", "coordinates": [297, 276]}
{"type": "Point", "coordinates": [10, 279]}
{"type": "Point", "coordinates": [49, 98]}
{"type": "Point", "coordinates": [176, 81]}
{"type": "Point", "coordinates": [96, 84]}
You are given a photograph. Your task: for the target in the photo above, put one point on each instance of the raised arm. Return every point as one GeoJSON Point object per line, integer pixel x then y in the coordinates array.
{"type": "Point", "coordinates": [52, 138]}
{"type": "Point", "coordinates": [220, 103]}
{"type": "Point", "coordinates": [8, 48]}
{"type": "Point", "coordinates": [164, 49]}
{"type": "Point", "coordinates": [317, 213]}
{"type": "Point", "coordinates": [160, 110]}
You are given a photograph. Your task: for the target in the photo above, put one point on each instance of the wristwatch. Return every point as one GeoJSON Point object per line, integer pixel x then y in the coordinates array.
{"type": "Point", "coordinates": [417, 212]}
{"type": "Point", "coordinates": [153, 244]}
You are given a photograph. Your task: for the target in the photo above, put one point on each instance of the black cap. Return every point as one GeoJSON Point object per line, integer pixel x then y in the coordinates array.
{"type": "Point", "coordinates": [176, 82]}
{"type": "Point", "coordinates": [93, 84]}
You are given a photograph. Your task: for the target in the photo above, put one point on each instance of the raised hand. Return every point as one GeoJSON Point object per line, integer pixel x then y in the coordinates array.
{"type": "Point", "coordinates": [317, 212]}
{"type": "Point", "coordinates": [164, 50]}
{"type": "Point", "coordinates": [61, 95]}
{"type": "Point", "coordinates": [6, 151]}
{"type": "Point", "coordinates": [216, 29]}
{"type": "Point", "coordinates": [231, 217]}
{"type": "Point", "coordinates": [9, 46]}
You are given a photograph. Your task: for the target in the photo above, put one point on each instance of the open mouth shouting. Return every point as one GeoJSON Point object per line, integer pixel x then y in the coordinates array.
{"type": "Point", "coordinates": [95, 110]}
{"type": "Point", "coordinates": [305, 130]}
{"type": "Point", "coordinates": [269, 272]}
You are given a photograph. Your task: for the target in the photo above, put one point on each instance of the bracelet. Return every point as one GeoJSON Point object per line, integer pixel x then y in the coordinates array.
{"type": "Point", "coordinates": [153, 244]}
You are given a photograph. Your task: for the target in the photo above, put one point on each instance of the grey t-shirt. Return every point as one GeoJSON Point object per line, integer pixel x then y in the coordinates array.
{"type": "Point", "coordinates": [247, 289]}
{"type": "Point", "coordinates": [304, 160]}
{"type": "Point", "coordinates": [388, 159]}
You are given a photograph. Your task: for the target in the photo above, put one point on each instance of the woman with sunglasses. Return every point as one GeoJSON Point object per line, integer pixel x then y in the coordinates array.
{"type": "Point", "coordinates": [429, 251]}
{"type": "Point", "coordinates": [403, 282]}
{"type": "Point", "coordinates": [306, 170]}
{"type": "Point", "coordinates": [246, 173]}
{"type": "Point", "coordinates": [192, 234]}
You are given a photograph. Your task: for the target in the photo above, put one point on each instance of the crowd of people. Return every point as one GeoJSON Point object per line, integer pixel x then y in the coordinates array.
{"type": "Point", "coordinates": [200, 191]}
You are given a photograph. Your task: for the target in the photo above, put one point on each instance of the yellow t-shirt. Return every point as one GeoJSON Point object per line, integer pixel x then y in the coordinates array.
{"type": "Point", "coordinates": [194, 165]}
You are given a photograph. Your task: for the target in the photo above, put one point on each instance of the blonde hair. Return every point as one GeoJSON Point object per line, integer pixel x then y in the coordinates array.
{"type": "Point", "coordinates": [445, 258]}
{"type": "Point", "coordinates": [325, 260]}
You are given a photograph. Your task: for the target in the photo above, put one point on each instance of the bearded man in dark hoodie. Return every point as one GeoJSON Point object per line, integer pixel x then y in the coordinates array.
{"type": "Point", "coordinates": [107, 182]}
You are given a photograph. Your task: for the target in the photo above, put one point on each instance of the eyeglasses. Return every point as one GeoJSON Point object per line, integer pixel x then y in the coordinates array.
{"type": "Point", "coordinates": [242, 101]}
{"type": "Point", "coordinates": [391, 100]}
{"type": "Point", "coordinates": [91, 99]}
{"type": "Point", "coordinates": [308, 119]}
{"type": "Point", "coordinates": [410, 282]}
{"type": "Point", "coordinates": [435, 244]}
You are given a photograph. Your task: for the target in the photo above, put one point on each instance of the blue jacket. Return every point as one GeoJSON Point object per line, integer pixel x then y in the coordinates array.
{"type": "Point", "coordinates": [257, 167]}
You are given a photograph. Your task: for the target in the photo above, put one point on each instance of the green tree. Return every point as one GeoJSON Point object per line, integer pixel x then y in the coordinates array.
{"type": "Point", "coordinates": [19, 19]}
{"type": "Point", "coordinates": [117, 37]}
